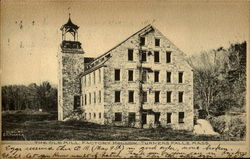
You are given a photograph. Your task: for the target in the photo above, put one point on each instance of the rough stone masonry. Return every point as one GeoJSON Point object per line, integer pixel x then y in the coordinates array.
{"type": "Point", "coordinates": [143, 81]}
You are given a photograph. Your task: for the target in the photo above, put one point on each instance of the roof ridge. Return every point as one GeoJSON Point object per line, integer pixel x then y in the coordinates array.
{"type": "Point", "coordinates": [149, 25]}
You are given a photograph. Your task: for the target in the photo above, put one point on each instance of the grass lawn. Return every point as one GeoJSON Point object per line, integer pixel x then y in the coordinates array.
{"type": "Point", "coordinates": [46, 127]}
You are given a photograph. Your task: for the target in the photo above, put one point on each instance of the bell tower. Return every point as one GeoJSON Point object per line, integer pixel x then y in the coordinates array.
{"type": "Point", "coordinates": [70, 65]}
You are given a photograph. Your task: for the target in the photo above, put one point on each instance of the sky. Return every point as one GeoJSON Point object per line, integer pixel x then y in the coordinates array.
{"type": "Point", "coordinates": [30, 30]}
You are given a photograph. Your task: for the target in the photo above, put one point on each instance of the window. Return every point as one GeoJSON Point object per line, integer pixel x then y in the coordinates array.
{"type": "Point", "coordinates": [168, 77]}
{"type": "Point", "coordinates": [89, 80]}
{"type": "Point", "coordinates": [94, 97]}
{"type": "Point", "coordinates": [77, 102]}
{"type": "Point", "coordinates": [156, 73]}
{"type": "Point", "coordinates": [180, 77]}
{"type": "Point", "coordinates": [169, 118]}
{"type": "Point", "coordinates": [181, 117]}
{"type": "Point", "coordinates": [144, 118]}
{"type": "Point", "coordinates": [130, 96]}
{"type": "Point", "coordinates": [168, 56]}
{"type": "Point", "coordinates": [82, 102]}
{"type": "Point", "coordinates": [85, 81]}
{"type": "Point", "coordinates": [156, 56]}
{"type": "Point", "coordinates": [180, 97]}
{"type": "Point", "coordinates": [117, 96]}
{"type": "Point", "coordinates": [130, 75]}
{"type": "Point", "coordinates": [157, 42]}
{"type": "Point", "coordinates": [85, 99]}
{"type": "Point", "coordinates": [117, 74]}
{"type": "Point", "coordinates": [94, 115]}
{"type": "Point", "coordinates": [89, 98]}
{"type": "Point", "coordinates": [142, 41]}
{"type": "Point", "coordinates": [144, 97]}
{"type": "Point", "coordinates": [130, 55]}
{"type": "Point", "coordinates": [157, 117]}
{"type": "Point", "coordinates": [85, 115]}
{"type": "Point", "coordinates": [89, 115]}
{"type": "Point", "coordinates": [118, 116]}
{"type": "Point", "coordinates": [94, 77]}
{"type": "Point", "coordinates": [100, 78]}
{"type": "Point", "coordinates": [100, 115]}
{"type": "Point", "coordinates": [131, 117]}
{"type": "Point", "coordinates": [169, 97]}
{"type": "Point", "coordinates": [144, 76]}
{"type": "Point", "coordinates": [143, 56]}
{"type": "Point", "coordinates": [100, 96]}
{"type": "Point", "coordinates": [157, 96]}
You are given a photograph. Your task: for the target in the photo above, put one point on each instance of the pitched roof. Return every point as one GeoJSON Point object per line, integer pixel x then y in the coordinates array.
{"type": "Point", "coordinates": [70, 25]}
{"type": "Point", "coordinates": [95, 63]}
{"type": "Point", "coordinates": [144, 28]}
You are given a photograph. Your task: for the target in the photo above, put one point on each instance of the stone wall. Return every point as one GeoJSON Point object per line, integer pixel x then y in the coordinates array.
{"type": "Point", "coordinates": [70, 67]}
{"type": "Point", "coordinates": [92, 83]}
{"type": "Point", "coordinates": [119, 60]}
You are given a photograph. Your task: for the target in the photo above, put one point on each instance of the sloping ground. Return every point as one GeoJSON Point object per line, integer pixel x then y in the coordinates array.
{"type": "Point", "coordinates": [204, 127]}
{"type": "Point", "coordinates": [78, 130]}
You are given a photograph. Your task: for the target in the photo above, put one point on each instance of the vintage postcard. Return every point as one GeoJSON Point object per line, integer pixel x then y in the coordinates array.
{"type": "Point", "coordinates": [124, 79]}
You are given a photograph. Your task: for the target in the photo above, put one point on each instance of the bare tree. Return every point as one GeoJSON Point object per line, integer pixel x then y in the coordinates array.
{"type": "Point", "coordinates": [207, 67]}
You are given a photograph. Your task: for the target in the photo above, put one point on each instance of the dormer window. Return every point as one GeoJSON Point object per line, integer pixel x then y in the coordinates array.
{"type": "Point", "coordinates": [108, 55]}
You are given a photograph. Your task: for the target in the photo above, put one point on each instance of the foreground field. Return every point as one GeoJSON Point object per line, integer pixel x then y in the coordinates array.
{"type": "Point", "coordinates": [46, 127]}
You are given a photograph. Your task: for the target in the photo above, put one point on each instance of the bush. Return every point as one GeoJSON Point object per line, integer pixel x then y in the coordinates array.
{"type": "Point", "coordinates": [218, 123]}
{"type": "Point", "coordinates": [229, 125]}
{"type": "Point", "coordinates": [221, 106]}
{"type": "Point", "coordinates": [202, 114]}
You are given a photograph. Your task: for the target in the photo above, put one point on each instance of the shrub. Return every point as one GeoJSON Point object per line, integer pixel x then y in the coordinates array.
{"type": "Point", "coordinates": [221, 106]}
{"type": "Point", "coordinates": [218, 123]}
{"type": "Point", "coordinates": [202, 114]}
{"type": "Point", "coordinates": [229, 125]}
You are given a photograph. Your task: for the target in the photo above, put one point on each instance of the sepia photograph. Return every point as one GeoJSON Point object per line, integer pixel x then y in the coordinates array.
{"type": "Point", "coordinates": [160, 72]}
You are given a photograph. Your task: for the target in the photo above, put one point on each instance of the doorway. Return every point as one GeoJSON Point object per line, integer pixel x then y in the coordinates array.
{"type": "Point", "coordinates": [144, 118]}
{"type": "Point", "coordinates": [157, 117]}
{"type": "Point", "coordinates": [131, 119]}
{"type": "Point", "coordinates": [76, 102]}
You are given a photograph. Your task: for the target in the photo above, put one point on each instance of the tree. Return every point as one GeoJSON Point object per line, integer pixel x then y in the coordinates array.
{"type": "Point", "coordinates": [220, 79]}
{"type": "Point", "coordinates": [206, 67]}
{"type": "Point", "coordinates": [21, 97]}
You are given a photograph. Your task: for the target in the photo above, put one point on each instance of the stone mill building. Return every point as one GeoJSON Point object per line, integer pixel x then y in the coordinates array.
{"type": "Point", "coordinates": [144, 81]}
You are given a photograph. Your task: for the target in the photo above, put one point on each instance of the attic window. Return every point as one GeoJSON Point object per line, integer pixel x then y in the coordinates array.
{"type": "Point", "coordinates": [157, 42]}
{"type": "Point", "coordinates": [142, 41]}
{"type": "Point", "coordinates": [130, 54]}
{"type": "Point", "coordinates": [168, 56]}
